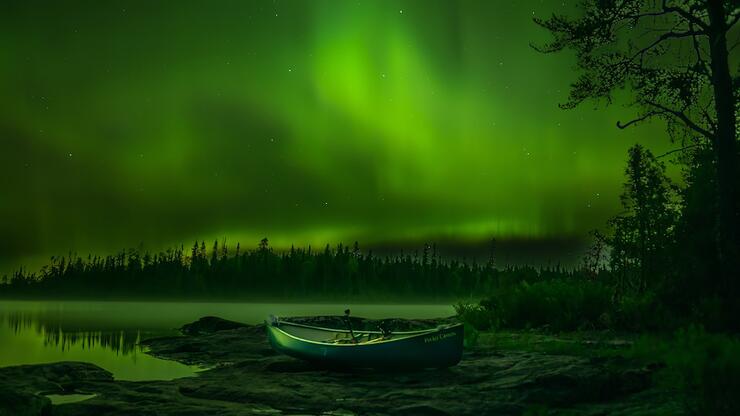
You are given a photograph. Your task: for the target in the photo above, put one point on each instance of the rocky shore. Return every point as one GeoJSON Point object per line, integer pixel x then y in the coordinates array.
{"type": "Point", "coordinates": [244, 376]}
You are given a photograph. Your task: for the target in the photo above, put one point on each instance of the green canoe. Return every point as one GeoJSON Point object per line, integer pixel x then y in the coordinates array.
{"type": "Point", "coordinates": [433, 348]}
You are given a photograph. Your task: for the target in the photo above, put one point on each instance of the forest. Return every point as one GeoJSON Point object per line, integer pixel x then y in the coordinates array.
{"type": "Point", "coordinates": [220, 273]}
{"type": "Point", "coordinates": [647, 270]}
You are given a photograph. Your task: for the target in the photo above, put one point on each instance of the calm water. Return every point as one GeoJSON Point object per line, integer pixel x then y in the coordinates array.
{"type": "Point", "coordinates": [107, 333]}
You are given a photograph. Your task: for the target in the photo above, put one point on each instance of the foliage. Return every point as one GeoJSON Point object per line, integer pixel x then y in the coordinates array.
{"type": "Point", "coordinates": [642, 312]}
{"type": "Point", "coordinates": [660, 267]}
{"type": "Point", "coordinates": [330, 274]}
{"type": "Point", "coordinates": [471, 336]}
{"type": "Point", "coordinates": [560, 304]}
{"type": "Point", "coordinates": [675, 58]}
{"type": "Point", "coordinates": [474, 315]}
{"type": "Point", "coordinates": [643, 233]}
{"type": "Point", "coordinates": [705, 366]}
{"type": "Point", "coordinates": [709, 369]}
{"type": "Point", "coordinates": [669, 53]}
{"type": "Point", "coordinates": [563, 304]}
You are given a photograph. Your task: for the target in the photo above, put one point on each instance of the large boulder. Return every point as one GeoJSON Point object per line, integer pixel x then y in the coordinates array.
{"type": "Point", "coordinates": [20, 403]}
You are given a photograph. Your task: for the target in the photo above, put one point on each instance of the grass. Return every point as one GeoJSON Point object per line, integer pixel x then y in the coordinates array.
{"type": "Point", "coordinates": [699, 369]}
{"type": "Point", "coordinates": [579, 343]}
{"type": "Point", "coordinates": [702, 368]}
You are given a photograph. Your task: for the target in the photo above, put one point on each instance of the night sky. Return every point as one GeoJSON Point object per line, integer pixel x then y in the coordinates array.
{"type": "Point", "coordinates": [309, 122]}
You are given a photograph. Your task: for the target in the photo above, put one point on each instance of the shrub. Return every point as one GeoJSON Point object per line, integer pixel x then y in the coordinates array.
{"type": "Point", "coordinates": [709, 369]}
{"type": "Point", "coordinates": [642, 312]}
{"type": "Point", "coordinates": [471, 336]}
{"type": "Point", "coordinates": [560, 304]}
{"type": "Point", "coordinates": [706, 367]}
{"type": "Point", "coordinates": [475, 316]}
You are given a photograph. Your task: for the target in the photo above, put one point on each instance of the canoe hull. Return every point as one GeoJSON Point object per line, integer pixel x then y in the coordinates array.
{"type": "Point", "coordinates": [434, 349]}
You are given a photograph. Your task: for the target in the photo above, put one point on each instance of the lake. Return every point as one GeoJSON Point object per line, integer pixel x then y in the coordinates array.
{"type": "Point", "coordinates": [107, 333]}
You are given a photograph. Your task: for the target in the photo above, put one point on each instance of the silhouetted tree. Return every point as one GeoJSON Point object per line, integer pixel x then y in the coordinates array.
{"type": "Point", "coordinates": [214, 253]}
{"type": "Point", "coordinates": [202, 250]}
{"type": "Point", "coordinates": [674, 55]}
{"type": "Point", "coordinates": [425, 255]}
{"type": "Point", "coordinates": [492, 254]}
{"type": "Point", "coordinates": [263, 274]}
{"type": "Point", "coordinates": [264, 245]}
{"type": "Point", "coordinates": [643, 234]}
{"type": "Point", "coordinates": [596, 256]}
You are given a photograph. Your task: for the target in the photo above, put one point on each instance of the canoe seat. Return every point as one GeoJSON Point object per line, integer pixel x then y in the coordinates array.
{"type": "Point", "coordinates": [360, 338]}
{"type": "Point", "coordinates": [341, 341]}
{"type": "Point", "coordinates": [375, 340]}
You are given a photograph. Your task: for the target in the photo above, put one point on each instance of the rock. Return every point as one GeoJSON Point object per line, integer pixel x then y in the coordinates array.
{"type": "Point", "coordinates": [19, 403]}
{"type": "Point", "coordinates": [22, 387]}
{"type": "Point", "coordinates": [247, 377]}
{"type": "Point", "coordinates": [209, 325]}
{"type": "Point", "coordinates": [290, 366]}
{"type": "Point", "coordinates": [420, 410]}
{"type": "Point", "coordinates": [57, 377]}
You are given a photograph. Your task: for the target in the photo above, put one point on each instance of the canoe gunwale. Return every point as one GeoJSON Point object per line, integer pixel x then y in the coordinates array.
{"type": "Point", "coordinates": [346, 331]}
{"type": "Point", "coordinates": [410, 335]}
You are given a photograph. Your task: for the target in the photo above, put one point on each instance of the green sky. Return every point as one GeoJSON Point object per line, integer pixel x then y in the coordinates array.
{"type": "Point", "coordinates": [387, 122]}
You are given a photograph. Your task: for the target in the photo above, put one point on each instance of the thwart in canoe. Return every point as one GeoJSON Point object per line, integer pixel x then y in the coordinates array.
{"type": "Point", "coordinates": [438, 347]}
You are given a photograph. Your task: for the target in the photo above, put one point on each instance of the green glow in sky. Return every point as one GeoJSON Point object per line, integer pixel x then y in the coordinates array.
{"type": "Point", "coordinates": [304, 121]}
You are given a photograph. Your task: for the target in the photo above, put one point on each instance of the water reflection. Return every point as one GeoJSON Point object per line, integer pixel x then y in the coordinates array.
{"type": "Point", "coordinates": [41, 332]}
{"type": "Point", "coordinates": [107, 333]}
{"type": "Point", "coordinates": [65, 335]}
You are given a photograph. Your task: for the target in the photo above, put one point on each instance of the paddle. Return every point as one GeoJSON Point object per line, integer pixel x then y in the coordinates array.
{"type": "Point", "coordinates": [349, 325]}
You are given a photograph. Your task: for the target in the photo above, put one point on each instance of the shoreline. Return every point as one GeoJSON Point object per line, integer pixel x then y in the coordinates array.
{"type": "Point", "coordinates": [245, 376]}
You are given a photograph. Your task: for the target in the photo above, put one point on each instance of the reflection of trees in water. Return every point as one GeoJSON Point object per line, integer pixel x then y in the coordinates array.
{"type": "Point", "coordinates": [122, 342]}
{"type": "Point", "coordinates": [64, 334]}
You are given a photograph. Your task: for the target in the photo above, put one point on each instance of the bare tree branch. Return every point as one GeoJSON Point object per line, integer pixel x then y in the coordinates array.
{"type": "Point", "coordinates": [699, 58]}
{"type": "Point", "coordinates": [686, 15]}
{"type": "Point", "coordinates": [669, 35]}
{"type": "Point", "coordinates": [683, 117]}
{"type": "Point", "coordinates": [677, 150]}
{"type": "Point", "coordinates": [639, 119]}
{"type": "Point", "coordinates": [666, 10]}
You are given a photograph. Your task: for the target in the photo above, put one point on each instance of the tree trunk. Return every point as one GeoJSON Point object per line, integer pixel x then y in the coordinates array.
{"type": "Point", "coordinates": [725, 145]}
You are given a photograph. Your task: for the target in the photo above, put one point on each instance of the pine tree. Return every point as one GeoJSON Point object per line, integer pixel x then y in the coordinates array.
{"type": "Point", "coordinates": [644, 233]}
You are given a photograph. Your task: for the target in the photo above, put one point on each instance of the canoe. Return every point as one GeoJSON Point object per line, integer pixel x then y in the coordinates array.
{"type": "Point", "coordinates": [438, 347]}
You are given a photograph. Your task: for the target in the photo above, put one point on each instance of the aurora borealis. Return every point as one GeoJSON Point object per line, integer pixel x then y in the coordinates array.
{"type": "Point", "coordinates": [309, 122]}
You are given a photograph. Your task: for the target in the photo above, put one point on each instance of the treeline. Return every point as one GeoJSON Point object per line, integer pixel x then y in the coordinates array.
{"type": "Point", "coordinates": [664, 246]}
{"type": "Point", "coordinates": [218, 273]}
{"type": "Point", "coordinates": [663, 271]}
